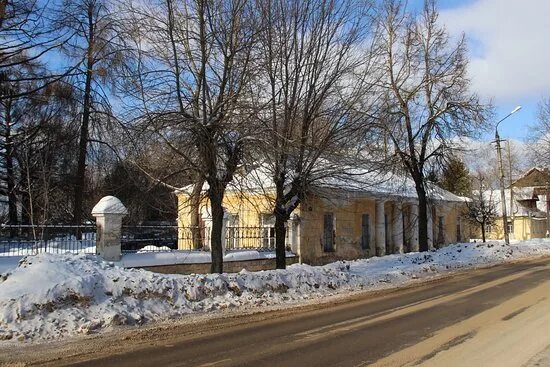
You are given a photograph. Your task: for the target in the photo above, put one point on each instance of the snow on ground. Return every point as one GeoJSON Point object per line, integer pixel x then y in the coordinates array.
{"type": "Point", "coordinates": [53, 296]}
{"type": "Point", "coordinates": [152, 256]}
{"type": "Point", "coordinates": [147, 256]}
{"type": "Point", "coordinates": [8, 263]}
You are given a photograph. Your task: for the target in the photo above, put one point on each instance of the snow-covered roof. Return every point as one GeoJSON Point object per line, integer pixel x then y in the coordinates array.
{"type": "Point", "coordinates": [385, 184]}
{"type": "Point", "coordinates": [354, 180]}
{"type": "Point", "coordinates": [520, 208]}
{"type": "Point", "coordinates": [525, 193]}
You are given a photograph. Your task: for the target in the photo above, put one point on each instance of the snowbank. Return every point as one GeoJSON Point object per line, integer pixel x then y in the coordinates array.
{"type": "Point", "coordinates": [8, 263]}
{"type": "Point", "coordinates": [53, 296]}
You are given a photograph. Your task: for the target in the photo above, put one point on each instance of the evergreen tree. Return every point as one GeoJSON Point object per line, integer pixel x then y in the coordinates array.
{"type": "Point", "coordinates": [455, 177]}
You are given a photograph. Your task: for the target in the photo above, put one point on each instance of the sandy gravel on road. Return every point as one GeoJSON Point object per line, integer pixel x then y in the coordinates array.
{"type": "Point", "coordinates": [508, 335]}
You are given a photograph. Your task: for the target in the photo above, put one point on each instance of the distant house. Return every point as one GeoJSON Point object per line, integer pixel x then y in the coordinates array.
{"type": "Point", "coordinates": [526, 206]}
{"type": "Point", "coordinates": [369, 215]}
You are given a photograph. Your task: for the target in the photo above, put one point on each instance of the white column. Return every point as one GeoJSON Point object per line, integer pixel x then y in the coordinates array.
{"type": "Point", "coordinates": [413, 225]}
{"type": "Point", "coordinates": [430, 228]}
{"type": "Point", "coordinates": [224, 232]}
{"type": "Point", "coordinates": [380, 229]}
{"type": "Point", "coordinates": [397, 229]}
{"type": "Point", "coordinates": [109, 212]}
{"type": "Point", "coordinates": [207, 220]}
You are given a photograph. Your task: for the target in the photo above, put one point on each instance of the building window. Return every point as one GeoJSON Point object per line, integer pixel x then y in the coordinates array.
{"type": "Point", "coordinates": [328, 232]}
{"type": "Point", "coordinates": [365, 231]}
{"type": "Point", "coordinates": [510, 227]}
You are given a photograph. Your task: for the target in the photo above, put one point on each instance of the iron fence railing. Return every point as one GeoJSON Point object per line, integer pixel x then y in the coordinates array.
{"type": "Point", "coordinates": [258, 238]}
{"type": "Point", "coordinates": [168, 238]}
{"type": "Point", "coordinates": [147, 238]}
{"type": "Point", "coordinates": [21, 240]}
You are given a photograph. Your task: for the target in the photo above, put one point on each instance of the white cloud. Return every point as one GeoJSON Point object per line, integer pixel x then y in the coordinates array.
{"type": "Point", "coordinates": [510, 57]}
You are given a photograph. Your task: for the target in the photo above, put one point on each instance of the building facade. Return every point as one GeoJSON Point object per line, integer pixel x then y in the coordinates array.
{"type": "Point", "coordinates": [527, 205]}
{"type": "Point", "coordinates": [334, 222]}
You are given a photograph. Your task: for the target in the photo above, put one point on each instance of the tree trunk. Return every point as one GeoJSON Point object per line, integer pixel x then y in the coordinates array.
{"type": "Point", "coordinates": [483, 232]}
{"type": "Point", "coordinates": [280, 238]}
{"type": "Point", "coordinates": [422, 217]}
{"type": "Point", "coordinates": [84, 127]}
{"type": "Point", "coordinates": [216, 200]}
{"type": "Point", "coordinates": [12, 196]}
{"type": "Point", "coordinates": [26, 205]}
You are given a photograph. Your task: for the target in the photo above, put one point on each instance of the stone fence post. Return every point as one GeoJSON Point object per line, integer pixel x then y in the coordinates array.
{"type": "Point", "coordinates": [109, 212]}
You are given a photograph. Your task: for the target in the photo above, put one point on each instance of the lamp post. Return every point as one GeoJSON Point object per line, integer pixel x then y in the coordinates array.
{"type": "Point", "coordinates": [502, 196]}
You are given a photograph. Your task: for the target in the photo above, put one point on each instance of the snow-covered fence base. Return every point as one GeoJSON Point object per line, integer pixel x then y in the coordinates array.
{"type": "Point", "coordinates": [26, 239]}
{"type": "Point", "coordinates": [79, 294]}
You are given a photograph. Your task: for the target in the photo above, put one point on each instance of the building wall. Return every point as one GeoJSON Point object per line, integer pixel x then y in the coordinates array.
{"type": "Point", "coordinates": [348, 214]}
{"type": "Point", "coordinates": [347, 229]}
{"type": "Point", "coordinates": [525, 228]}
{"type": "Point", "coordinates": [454, 220]}
{"type": "Point", "coordinates": [247, 206]}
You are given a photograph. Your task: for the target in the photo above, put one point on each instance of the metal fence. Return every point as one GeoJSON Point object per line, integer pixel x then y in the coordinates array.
{"type": "Point", "coordinates": [21, 240]}
{"type": "Point", "coordinates": [168, 238]}
{"type": "Point", "coordinates": [149, 238]}
{"type": "Point", "coordinates": [257, 238]}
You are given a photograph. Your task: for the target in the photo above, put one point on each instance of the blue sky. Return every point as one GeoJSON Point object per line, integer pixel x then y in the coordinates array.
{"type": "Point", "coordinates": [510, 57]}
{"type": "Point", "coordinates": [510, 60]}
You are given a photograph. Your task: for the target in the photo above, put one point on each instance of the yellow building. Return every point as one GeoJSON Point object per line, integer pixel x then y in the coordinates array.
{"type": "Point", "coordinates": [337, 221]}
{"type": "Point", "coordinates": [526, 206]}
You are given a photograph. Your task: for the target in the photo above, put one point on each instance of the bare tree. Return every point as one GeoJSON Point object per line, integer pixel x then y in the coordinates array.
{"type": "Point", "coordinates": [309, 59]}
{"type": "Point", "coordinates": [96, 39]}
{"type": "Point", "coordinates": [31, 125]}
{"type": "Point", "coordinates": [17, 108]}
{"type": "Point", "coordinates": [540, 138]}
{"type": "Point", "coordinates": [482, 209]}
{"type": "Point", "coordinates": [28, 38]}
{"type": "Point", "coordinates": [193, 86]}
{"type": "Point", "coordinates": [426, 87]}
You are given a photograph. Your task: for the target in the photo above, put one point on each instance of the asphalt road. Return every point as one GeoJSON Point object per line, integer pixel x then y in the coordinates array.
{"type": "Point", "coordinates": [491, 317]}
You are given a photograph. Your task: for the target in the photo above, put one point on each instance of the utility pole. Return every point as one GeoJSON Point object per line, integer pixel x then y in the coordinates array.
{"type": "Point", "coordinates": [547, 216]}
{"type": "Point", "coordinates": [511, 189]}
{"type": "Point", "coordinates": [502, 195]}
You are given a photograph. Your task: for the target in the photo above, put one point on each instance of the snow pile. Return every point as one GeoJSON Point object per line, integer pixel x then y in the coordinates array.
{"type": "Point", "coordinates": [153, 248]}
{"type": "Point", "coordinates": [52, 296]}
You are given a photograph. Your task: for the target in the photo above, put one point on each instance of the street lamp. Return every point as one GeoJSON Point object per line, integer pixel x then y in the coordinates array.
{"type": "Point", "coordinates": [502, 197]}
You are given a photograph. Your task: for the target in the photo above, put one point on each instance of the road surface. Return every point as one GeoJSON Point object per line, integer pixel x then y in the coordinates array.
{"type": "Point", "coordinates": [490, 317]}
